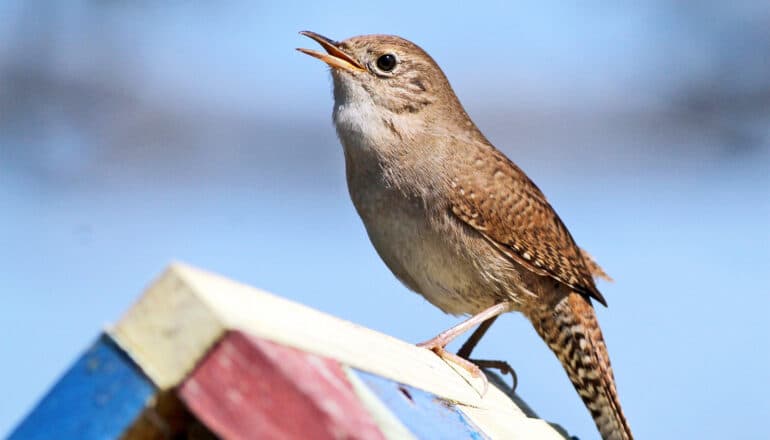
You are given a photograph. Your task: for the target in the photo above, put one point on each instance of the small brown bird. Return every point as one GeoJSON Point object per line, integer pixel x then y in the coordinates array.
{"type": "Point", "coordinates": [458, 222]}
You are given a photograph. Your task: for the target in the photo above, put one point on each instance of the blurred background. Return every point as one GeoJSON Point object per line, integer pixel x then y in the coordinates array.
{"type": "Point", "coordinates": [137, 133]}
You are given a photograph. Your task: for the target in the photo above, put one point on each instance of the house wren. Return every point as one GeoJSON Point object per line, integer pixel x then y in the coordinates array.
{"type": "Point", "coordinates": [455, 220]}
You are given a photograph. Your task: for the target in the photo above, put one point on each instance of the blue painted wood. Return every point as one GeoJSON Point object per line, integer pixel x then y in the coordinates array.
{"type": "Point", "coordinates": [99, 397]}
{"type": "Point", "coordinates": [425, 415]}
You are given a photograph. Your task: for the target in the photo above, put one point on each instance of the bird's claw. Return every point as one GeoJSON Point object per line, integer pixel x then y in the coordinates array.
{"type": "Point", "coordinates": [502, 366]}
{"type": "Point", "coordinates": [466, 364]}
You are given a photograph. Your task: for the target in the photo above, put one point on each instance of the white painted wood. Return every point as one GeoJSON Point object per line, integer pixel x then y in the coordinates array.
{"type": "Point", "coordinates": [183, 313]}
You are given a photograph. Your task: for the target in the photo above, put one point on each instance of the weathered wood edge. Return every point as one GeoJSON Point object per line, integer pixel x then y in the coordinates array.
{"type": "Point", "coordinates": [187, 310]}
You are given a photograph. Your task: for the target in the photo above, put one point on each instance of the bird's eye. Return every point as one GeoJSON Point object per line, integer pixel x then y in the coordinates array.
{"type": "Point", "coordinates": [387, 62]}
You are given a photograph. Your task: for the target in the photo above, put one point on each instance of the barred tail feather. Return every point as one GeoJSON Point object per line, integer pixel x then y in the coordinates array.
{"type": "Point", "coordinates": [573, 334]}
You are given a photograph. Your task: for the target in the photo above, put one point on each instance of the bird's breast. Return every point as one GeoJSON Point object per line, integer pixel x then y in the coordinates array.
{"type": "Point", "coordinates": [418, 241]}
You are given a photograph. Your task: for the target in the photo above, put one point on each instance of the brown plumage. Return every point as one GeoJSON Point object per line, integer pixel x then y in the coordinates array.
{"type": "Point", "coordinates": [497, 199]}
{"type": "Point", "coordinates": [457, 221]}
{"type": "Point", "coordinates": [570, 329]}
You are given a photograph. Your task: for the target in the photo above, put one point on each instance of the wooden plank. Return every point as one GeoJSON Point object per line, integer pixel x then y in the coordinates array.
{"type": "Point", "coordinates": [500, 424]}
{"type": "Point", "coordinates": [497, 422]}
{"type": "Point", "coordinates": [187, 310]}
{"type": "Point", "coordinates": [170, 328]}
{"type": "Point", "coordinates": [389, 424]}
{"type": "Point", "coordinates": [249, 388]}
{"type": "Point", "coordinates": [99, 397]}
{"type": "Point", "coordinates": [424, 414]}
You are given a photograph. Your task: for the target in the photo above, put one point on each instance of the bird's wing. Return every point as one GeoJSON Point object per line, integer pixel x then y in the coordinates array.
{"type": "Point", "coordinates": [499, 201]}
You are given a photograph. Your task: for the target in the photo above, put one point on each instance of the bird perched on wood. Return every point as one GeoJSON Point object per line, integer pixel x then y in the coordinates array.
{"type": "Point", "coordinates": [457, 221]}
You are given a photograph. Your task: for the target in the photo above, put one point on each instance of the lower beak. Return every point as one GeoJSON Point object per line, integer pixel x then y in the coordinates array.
{"type": "Point", "coordinates": [334, 56]}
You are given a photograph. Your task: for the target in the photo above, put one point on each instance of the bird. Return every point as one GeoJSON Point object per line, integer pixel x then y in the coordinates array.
{"type": "Point", "coordinates": [456, 220]}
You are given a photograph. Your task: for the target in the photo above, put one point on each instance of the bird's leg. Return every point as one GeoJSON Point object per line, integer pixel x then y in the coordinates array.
{"type": "Point", "coordinates": [438, 344]}
{"type": "Point", "coordinates": [449, 335]}
{"type": "Point", "coordinates": [473, 340]}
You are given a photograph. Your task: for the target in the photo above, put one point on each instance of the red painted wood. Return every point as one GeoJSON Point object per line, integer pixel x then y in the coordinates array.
{"type": "Point", "coordinates": [250, 388]}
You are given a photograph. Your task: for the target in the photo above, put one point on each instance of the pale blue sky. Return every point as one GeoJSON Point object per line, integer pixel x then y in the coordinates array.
{"type": "Point", "coordinates": [197, 133]}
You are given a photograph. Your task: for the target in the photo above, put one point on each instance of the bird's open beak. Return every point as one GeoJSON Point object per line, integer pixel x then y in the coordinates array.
{"type": "Point", "coordinates": [334, 57]}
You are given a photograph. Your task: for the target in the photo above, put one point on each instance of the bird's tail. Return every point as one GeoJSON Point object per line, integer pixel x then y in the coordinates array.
{"type": "Point", "coordinates": [573, 333]}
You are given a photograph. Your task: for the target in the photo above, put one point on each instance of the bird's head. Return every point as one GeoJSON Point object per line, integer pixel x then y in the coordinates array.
{"type": "Point", "coordinates": [392, 73]}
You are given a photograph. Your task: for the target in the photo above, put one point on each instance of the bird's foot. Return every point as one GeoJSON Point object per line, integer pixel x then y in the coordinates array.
{"type": "Point", "coordinates": [435, 345]}
{"type": "Point", "coordinates": [502, 366]}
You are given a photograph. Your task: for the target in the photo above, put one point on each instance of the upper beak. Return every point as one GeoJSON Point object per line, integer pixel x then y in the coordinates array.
{"type": "Point", "coordinates": [334, 57]}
